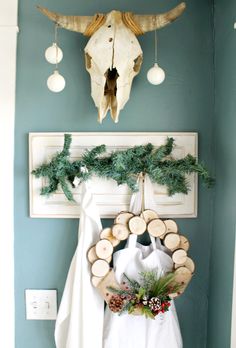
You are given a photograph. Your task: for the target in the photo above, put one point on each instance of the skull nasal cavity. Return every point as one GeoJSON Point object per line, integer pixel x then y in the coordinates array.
{"type": "Point", "coordinates": [110, 86]}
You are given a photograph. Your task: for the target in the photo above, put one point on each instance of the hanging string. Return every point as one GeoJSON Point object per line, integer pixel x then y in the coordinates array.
{"type": "Point", "coordinates": [56, 42]}
{"type": "Point", "coordinates": [155, 46]}
{"type": "Point", "coordinates": [142, 178]}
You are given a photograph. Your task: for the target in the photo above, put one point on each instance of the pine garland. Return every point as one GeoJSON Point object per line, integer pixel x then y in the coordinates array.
{"type": "Point", "coordinates": [122, 166]}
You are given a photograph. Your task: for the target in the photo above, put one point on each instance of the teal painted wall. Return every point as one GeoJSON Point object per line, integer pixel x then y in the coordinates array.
{"type": "Point", "coordinates": [223, 236]}
{"type": "Point", "coordinates": [44, 247]}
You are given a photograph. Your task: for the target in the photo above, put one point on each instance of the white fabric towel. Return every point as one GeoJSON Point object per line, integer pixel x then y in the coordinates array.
{"type": "Point", "coordinates": [79, 322]}
{"type": "Point", "coordinates": [146, 188]}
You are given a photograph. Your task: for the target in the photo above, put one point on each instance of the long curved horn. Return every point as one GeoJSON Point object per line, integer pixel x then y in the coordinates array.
{"type": "Point", "coordinates": [73, 23]}
{"type": "Point", "coordinates": [152, 22]}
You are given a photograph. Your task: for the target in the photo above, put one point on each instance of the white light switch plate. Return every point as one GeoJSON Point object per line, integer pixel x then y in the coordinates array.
{"type": "Point", "coordinates": [41, 304]}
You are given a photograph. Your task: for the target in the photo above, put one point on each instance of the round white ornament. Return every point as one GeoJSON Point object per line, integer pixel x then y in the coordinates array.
{"type": "Point", "coordinates": [53, 54]}
{"type": "Point", "coordinates": [156, 75]}
{"type": "Point", "coordinates": [56, 82]}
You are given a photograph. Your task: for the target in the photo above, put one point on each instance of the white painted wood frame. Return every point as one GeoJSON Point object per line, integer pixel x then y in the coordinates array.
{"type": "Point", "coordinates": [8, 42]}
{"type": "Point", "coordinates": [110, 198]}
{"type": "Point", "coordinates": [233, 316]}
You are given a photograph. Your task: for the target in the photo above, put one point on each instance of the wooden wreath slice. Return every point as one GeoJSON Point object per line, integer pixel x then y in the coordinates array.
{"type": "Point", "coordinates": [171, 226]}
{"type": "Point", "coordinates": [171, 241]}
{"type": "Point", "coordinates": [184, 243]}
{"type": "Point", "coordinates": [174, 295]}
{"type": "Point", "coordinates": [137, 225]}
{"type": "Point", "coordinates": [104, 249]}
{"type": "Point", "coordinates": [107, 234]}
{"type": "Point", "coordinates": [188, 264]}
{"type": "Point", "coordinates": [149, 215]}
{"type": "Point", "coordinates": [120, 232]}
{"type": "Point", "coordinates": [156, 228]}
{"type": "Point", "coordinates": [108, 281]}
{"type": "Point", "coordinates": [179, 256]}
{"type": "Point", "coordinates": [95, 281]}
{"type": "Point", "coordinates": [92, 256]}
{"type": "Point", "coordinates": [182, 275]}
{"type": "Point", "coordinates": [109, 259]}
{"type": "Point", "coordinates": [100, 268]}
{"type": "Point", "coordinates": [123, 218]}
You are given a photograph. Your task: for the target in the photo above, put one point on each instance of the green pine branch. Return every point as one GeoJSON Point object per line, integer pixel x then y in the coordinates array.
{"type": "Point", "coordinates": [122, 166]}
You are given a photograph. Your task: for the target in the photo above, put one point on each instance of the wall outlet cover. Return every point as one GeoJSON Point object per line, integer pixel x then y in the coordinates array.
{"type": "Point", "coordinates": [41, 304]}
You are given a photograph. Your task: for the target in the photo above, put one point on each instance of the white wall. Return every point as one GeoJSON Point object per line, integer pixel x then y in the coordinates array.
{"type": "Point", "coordinates": [8, 38]}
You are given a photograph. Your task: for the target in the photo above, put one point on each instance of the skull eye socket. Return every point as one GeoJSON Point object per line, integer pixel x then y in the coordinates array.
{"type": "Point", "coordinates": [88, 60]}
{"type": "Point", "coordinates": [138, 63]}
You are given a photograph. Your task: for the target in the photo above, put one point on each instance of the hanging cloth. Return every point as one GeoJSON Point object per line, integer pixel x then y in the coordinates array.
{"type": "Point", "coordinates": [79, 322]}
{"type": "Point", "coordinates": [144, 197]}
{"type": "Point", "coordinates": [127, 331]}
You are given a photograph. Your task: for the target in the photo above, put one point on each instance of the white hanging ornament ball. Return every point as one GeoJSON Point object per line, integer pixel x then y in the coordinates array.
{"type": "Point", "coordinates": [156, 75]}
{"type": "Point", "coordinates": [54, 54]}
{"type": "Point", "coordinates": [56, 82]}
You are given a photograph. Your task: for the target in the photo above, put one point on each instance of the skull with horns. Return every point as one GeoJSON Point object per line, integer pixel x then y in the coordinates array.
{"type": "Point", "coordinates": [113, 54]}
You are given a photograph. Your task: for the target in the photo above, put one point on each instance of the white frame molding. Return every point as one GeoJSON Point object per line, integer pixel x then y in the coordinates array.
{"type": "Point", "coordinates": [110, 198]}
{"type": "Point", "coordinates": [233, 315]}
{"type": "Point", "coordinates": [8, 43]}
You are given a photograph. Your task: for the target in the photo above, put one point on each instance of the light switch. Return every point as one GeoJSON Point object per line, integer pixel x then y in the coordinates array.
{"type": "Point", "coordinates": [41, 304]}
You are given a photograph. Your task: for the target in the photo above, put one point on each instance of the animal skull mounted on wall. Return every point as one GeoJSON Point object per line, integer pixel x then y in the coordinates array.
{"type": "Point", "coordinates": [113, 55]}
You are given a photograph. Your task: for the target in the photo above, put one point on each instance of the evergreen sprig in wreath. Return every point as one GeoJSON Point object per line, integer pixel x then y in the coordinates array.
{"type": "Point", "coordinates": [122, 166]}
{"type": "Point", "coordinates": [149, 296]}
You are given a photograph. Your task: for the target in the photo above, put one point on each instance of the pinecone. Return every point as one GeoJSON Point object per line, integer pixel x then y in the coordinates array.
{"type": "Point", "coordinates": [116, 303]}
{"type": "Point", "coordinates": [154, 304]}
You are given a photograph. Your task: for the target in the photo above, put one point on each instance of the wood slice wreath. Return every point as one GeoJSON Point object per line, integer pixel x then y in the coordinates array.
{"type": "Point", "coordinates": [126, 223]}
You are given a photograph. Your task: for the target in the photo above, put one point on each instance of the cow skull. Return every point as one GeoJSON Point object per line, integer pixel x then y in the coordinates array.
{"type": "Point", "coordinates": [113, 55]}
